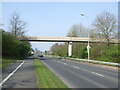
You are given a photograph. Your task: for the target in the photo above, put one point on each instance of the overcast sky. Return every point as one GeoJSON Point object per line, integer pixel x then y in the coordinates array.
{"type": "Point", "coordinates": [54, 18]}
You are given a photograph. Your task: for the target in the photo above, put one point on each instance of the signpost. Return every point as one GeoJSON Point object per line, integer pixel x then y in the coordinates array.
{"type": "Point", "coordinates": [88, 50]}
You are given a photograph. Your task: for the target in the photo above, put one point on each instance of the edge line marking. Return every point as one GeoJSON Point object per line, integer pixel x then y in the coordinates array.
{"type": "Point", "coordinates": [11, 74]}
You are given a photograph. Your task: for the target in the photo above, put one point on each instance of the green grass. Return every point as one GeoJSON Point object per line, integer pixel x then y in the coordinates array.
{"type": "Point", "coordinates": [46, 78]}
{"type": "Point", "coordinates": [6, 62]}
{"type": "Point", "coordinates": [52, 56]}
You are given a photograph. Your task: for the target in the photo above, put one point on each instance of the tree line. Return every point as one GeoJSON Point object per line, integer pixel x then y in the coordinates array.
{"type": "Point", "coordinates": [105, 26]}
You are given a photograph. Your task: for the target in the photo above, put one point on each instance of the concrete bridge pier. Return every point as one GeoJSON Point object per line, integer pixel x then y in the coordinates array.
{"type": "Point", "coordinates": [69, 49]}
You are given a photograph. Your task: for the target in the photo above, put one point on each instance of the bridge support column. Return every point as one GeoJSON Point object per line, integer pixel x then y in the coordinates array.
{"type": "Point", "coordinates": [69, 49]}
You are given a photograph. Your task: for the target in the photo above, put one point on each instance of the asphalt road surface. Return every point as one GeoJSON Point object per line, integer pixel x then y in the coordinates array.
{"type": "Point", "coordinates": [82, 75]}
{"type": "Point", "coordinates": [73, 74]}
{"type": "Point", "coordinates": [23, 77]}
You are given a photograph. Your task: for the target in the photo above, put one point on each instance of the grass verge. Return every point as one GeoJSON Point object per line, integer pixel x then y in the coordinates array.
{"type": "Point", "coordinates": [46, 78]}
{"type": "Point", "coordinates": [6, 62]}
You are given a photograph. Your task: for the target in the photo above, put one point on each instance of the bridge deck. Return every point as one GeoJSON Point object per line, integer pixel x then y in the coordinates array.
{"type": "Point", "coordinates": [64, 39]}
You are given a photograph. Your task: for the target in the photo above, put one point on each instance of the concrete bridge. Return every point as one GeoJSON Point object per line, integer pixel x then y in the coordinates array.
{"type": "Point", "coordinates": [66, 39]}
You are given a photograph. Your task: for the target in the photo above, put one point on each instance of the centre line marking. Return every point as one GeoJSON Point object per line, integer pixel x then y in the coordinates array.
{"type": "Point", "coordinates": [65, 64]}
{"type": "Point", "coordinates": [98, 74]}
{"type": "Point", "coordinates": [75, 67]}
{"type": "Point", "coordinates": [11, 74]}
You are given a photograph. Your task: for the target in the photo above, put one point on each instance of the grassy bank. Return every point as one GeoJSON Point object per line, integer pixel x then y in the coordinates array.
{"type": "Point", "coordinates": [6, 62]}
{"type": "Point", "coordinates": [52, 56]}
{"type": "Point", "coordinates": [46, 78]}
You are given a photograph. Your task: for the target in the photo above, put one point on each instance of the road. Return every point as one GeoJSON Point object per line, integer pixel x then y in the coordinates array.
{"type": "Point", "coordinates": [73, 74]}
{"type": "Point", "coordinates": [23, 77]}
{"type": "Point", "coordinates": [82, 75]}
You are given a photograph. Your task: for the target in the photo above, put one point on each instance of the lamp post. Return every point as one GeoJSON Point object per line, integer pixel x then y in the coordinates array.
{"type": "Point", "coordinates": [88, 46]}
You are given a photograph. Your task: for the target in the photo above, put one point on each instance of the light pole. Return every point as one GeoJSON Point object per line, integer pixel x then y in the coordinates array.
{"type": "Point", "coordinates": [88, 46]}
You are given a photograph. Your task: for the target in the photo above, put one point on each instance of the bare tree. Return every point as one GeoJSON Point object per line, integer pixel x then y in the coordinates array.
{"type": "Point", "coordinates": [106, 25]}
{"type": "Point", "coordinates": [73, 32]}
{"type": "Point", "coordinates": [78, 30]}
{"type": "Point", "coordinates": [16, 25]}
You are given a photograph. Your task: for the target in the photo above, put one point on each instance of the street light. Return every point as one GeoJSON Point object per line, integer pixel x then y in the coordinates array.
{"type": "Point", "coordinates": [82, 14]}
{"type": "Point", "coordinates": [88, 46]}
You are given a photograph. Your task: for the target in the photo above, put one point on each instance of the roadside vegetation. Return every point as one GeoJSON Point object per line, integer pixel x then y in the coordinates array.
{"type": "Point", "coordinates": [12, 48]}
{"type": "Point", "coordinates": [103, 27]}
{"type": "Point", "coordinates": [46, 78]}
{"type": "Point", "coordinates": [6, 62]}
{"type": "Point", "coordinates": [100, 52]}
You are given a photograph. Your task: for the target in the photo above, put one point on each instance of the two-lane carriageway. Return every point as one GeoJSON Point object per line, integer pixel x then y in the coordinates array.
{"type": "Point", "coordinates": [82, 75]}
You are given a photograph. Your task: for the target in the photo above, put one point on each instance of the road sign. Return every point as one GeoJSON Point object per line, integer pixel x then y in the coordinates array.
{"type": "Point", "coordinates": [36, 49]}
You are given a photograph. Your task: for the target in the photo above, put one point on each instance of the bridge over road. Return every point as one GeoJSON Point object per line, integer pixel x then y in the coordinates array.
{"type": "Point", "coordinates": [66, 39]}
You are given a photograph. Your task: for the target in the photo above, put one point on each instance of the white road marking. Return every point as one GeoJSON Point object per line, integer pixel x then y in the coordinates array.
{"type": "Point", "coordinates": [11, 74]}
{"type": "Point", "coordinates": [53, 60]}
{"type": "Point", "coordinates": [84, 69]}
{"type": "Point", "coordinates": [75, 67]}
{"type": "Point", "coordinates": [58, 61]}
{"type": "Point", "coordinates": [65, 63]}
{"type": "Point", "coordinates": [97, 74]}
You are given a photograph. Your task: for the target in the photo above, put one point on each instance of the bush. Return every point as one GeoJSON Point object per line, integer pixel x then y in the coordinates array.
{"type": "Point", "coordinates": [98, 51]}
{"type": "Point", "coordinates": [11, 47]}
{"type": "Point", "coordinates": [103, 52]}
